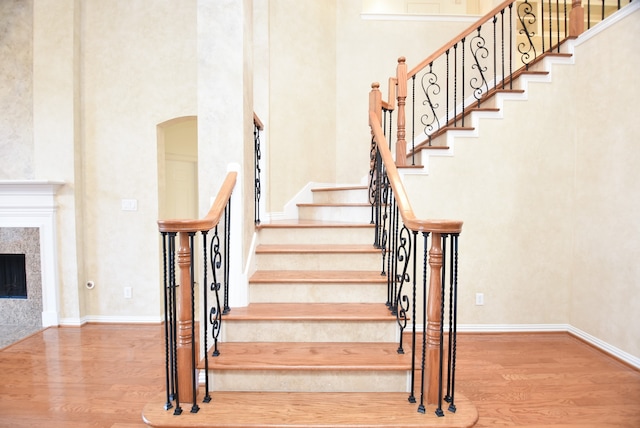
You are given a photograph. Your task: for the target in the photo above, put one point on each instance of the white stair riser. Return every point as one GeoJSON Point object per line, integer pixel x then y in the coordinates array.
{"type": "Point", "coordinates": [309, 380]}
{"type": "Point", "coordinates": [346, 235]}
{"type": "Point", "coordinates": [309, 331]}
{"type": "Point", "coordinates": [354, 214]}
{"type": "Point", "coordinates": [319, 261]}
{"type": "Point", "coordinates": [341, 196]}
{"type": "Point", "coordinates": [317, 293]}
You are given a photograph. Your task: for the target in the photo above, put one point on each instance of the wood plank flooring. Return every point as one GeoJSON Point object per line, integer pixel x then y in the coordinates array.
{"type": "Point", "coordinates": [104, 375]}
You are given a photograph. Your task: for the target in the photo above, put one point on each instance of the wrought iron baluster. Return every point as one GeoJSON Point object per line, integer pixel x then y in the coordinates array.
{"type": "Point", "coordinates": [425, 236]}
{"type": "Point", "coordinates": [550, 26]}
{"type": "Point", "coordinates": [453, 328]}
{"type": "Point", "coordinates": [392, 279]}
{"type": "Point", "coordinates": [464, 83]}
{"type": "Point", "coordinates": [414, 284]}
{"type": "Point", "coordinates": [168, 344]}
{"type": "Point", "coordinates": [402, 301]}
{"type": "Point", "coordinates": [194, 384]}
{"type": "Point", "coordinates": [479, 52]}
{"type": "Point", "coordinates": [495, 53]}
{"type": "Point", "coordinates": [446, 111]}
{"type": "Point", "coordinates": [258, 186]}
{"type": "Point", "coordinates": [207, 396]}
{"type": "Point", "coordinates": [455, 85]}
{"type": "Point", "coordinates": [174, 323]}
{"type": "Point", "coordinates": [511, 46]}
{"type": "Point", "coordinates": [558, 23]}
{"type": "Point", "coordinates": [215, 313]}
{"type": "Point", "coordinates": [431, 88]}
{"type": "Point", "coordinates": [542, 25]}
{"type": "Point", "coordinates": [527, 18]}
{"type": "Point", "coordinates": [588, 14]}
{"type": "Point", "coordinates": [443, 238]}
{"type": "Point", "coordinates": [502, 44]}
{"type": "Point", "coordinates": [227, 254]}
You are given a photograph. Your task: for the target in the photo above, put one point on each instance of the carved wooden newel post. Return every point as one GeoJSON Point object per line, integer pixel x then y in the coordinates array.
{"type": "Point", "coordinates": [576, 19]}
{"type": "Point", "coordinates": [401, 144]}
{"type": "Point", "coordinates": [185, 338]}
{"type": "Point", "coordinates": [434, 315]}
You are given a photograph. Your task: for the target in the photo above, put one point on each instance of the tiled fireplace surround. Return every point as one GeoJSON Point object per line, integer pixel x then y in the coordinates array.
{"type": "Point", "coordinates": [28, 225]}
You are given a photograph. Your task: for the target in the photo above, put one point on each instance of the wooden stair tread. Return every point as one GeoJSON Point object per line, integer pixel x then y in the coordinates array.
{"type": "Point", "coordinates": [312, 311]}
{"type": "Point", "coordinates": [315, 249]}
{"type": "Point", "coordinates": [305, 356]}
{"type": "Point", "coordinates": [318, 276]}
{"type": "Point", "coordinates": [309, 409]}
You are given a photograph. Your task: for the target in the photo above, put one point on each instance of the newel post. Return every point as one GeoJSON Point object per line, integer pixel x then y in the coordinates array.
{"type": "Point", "coordinates": [434, 315]}
{"type": "Point", "coordinates": [401, 144]}
{"type": "Point", "coordinates": [184, 340]}
{"type": "Point", "coordinates": [375, 101]}
{"type": "Point", "coordinates": [576, 19]}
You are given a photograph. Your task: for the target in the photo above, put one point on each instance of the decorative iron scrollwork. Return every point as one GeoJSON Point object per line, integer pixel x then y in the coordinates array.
{"type": "Point", "coordinates": [431, 88]}
{"type": "Point", "coordinates": [527, 20]}
{"type": "Point", "coordinates": [215, 314]}
{"type": "Point", "coordinates": [479, 52]}
{"type": "Point", "coordinates": [403, 256]}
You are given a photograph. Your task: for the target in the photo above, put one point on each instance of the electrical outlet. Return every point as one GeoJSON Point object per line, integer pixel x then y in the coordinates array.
{"type": "Point", "coordinates": [127, 292]}
{"type": "Point", "coordinates": [479, 299]}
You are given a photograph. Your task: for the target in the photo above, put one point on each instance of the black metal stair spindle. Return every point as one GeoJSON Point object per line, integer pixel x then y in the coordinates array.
{"type": "Point", "coordinates": [425, 235]}
{"type": "Point", "coordinates": [412, 398]}
{"type": "Point", "coordinates": [439, 411]}
{"type": "Point", "coordinates": [542, 25]}
{"type": "Point", "coordinates": [167, 321]}
{"type": "Point", "coordinates": [502, 44]}
{"type": "Point", "coordinates": [257, 183]}
{"type": "Point", "coordinates": [226, 255]}
{"type": "Point", "coordinates": [194, 383]}
{"type": "Point", "coordinates": [403, 258]}
{"type": "Point", "coordinates": [174, 324]}
{"type": "Point", "coordinates": [511, 46]}
{"type": "Point", "coordinates": [455, 85]}
{"type": "Point", "coordinates": [495, 53]}
{"type": "Point", "coordinates": [453, 330]}
{"type": "Point", "coordinates": [207, 396]}
{"type": "Point", "coordinates": [464, 83]}
{"type": "Point", "coordinates": [413, 120]}
{"type": "Point", "coordinates": [215, 314]}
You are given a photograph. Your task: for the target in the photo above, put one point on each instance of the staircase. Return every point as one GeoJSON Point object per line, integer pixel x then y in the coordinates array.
{"type": "Point", "coordinates": [316, 346]}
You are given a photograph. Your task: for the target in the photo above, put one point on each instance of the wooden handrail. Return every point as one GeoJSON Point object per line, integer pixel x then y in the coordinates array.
{"type": "Point", "coordinates": [457, 39]}
{"type": "Point", "coordinates": [213, 216]}
{"type": "Point", "coordinates": [404, 206]}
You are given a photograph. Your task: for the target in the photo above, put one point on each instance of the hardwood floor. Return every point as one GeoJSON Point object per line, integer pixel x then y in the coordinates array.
{"type": "Point", "coordinates": [103, 376]}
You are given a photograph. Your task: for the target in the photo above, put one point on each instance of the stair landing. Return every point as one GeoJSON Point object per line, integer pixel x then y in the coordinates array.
{"type": "Point", "coordinates": [309, 409]}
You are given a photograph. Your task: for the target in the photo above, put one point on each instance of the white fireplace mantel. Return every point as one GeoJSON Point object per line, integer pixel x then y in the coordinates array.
{"type": "Point", "coordinates": [32, 203]}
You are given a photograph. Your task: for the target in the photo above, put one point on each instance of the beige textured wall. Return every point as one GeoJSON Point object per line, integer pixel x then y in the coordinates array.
{"type": "Point", "coordinates": [605, 298]}
{"type": "Point", "coordinates": [302, 105]}
{"type": "Point", "coordinates": [550, 233]}
{"type": "Point", "coordinates": [16, 90]}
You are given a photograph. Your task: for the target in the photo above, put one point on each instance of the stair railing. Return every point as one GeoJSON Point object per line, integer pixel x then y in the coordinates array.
{"type": "Point", "coordinates": [482, 60]}
{"type": "Point", "coordinates": [400, 233]}
{"type": "Point", "coordinates": [181, 346]}
{"type": "Point", "coordinates": [257, 157]}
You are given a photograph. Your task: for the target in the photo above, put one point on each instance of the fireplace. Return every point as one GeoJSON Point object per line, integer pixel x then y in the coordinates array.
{"type": "Point", "coordinates": [13, 276]}
{"type": "Point", "coordinates": [28, 227]}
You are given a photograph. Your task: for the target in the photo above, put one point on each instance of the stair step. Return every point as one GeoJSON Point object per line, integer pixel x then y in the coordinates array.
{"type": "Point", "coordinates": [313, 356]}
{"type": "Point", "coordinates": [310, 322]}
{"type": "Point", "coordinates": [310, 366]}
{"type": "Point", "coordinates": [309, 409]}
{"type": "Point", "coordinates": [311, 312]}
{"type": "Point", "coordinates": [316, 232]}
{"type": "Point", "coordinates": [360, 212]}
{"type": "Point", "coordinates": [316, 256]}
{"type": "Point", "coordinates": [318, 277]}
{"type": "Point", "coordinates": [342, 194]}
